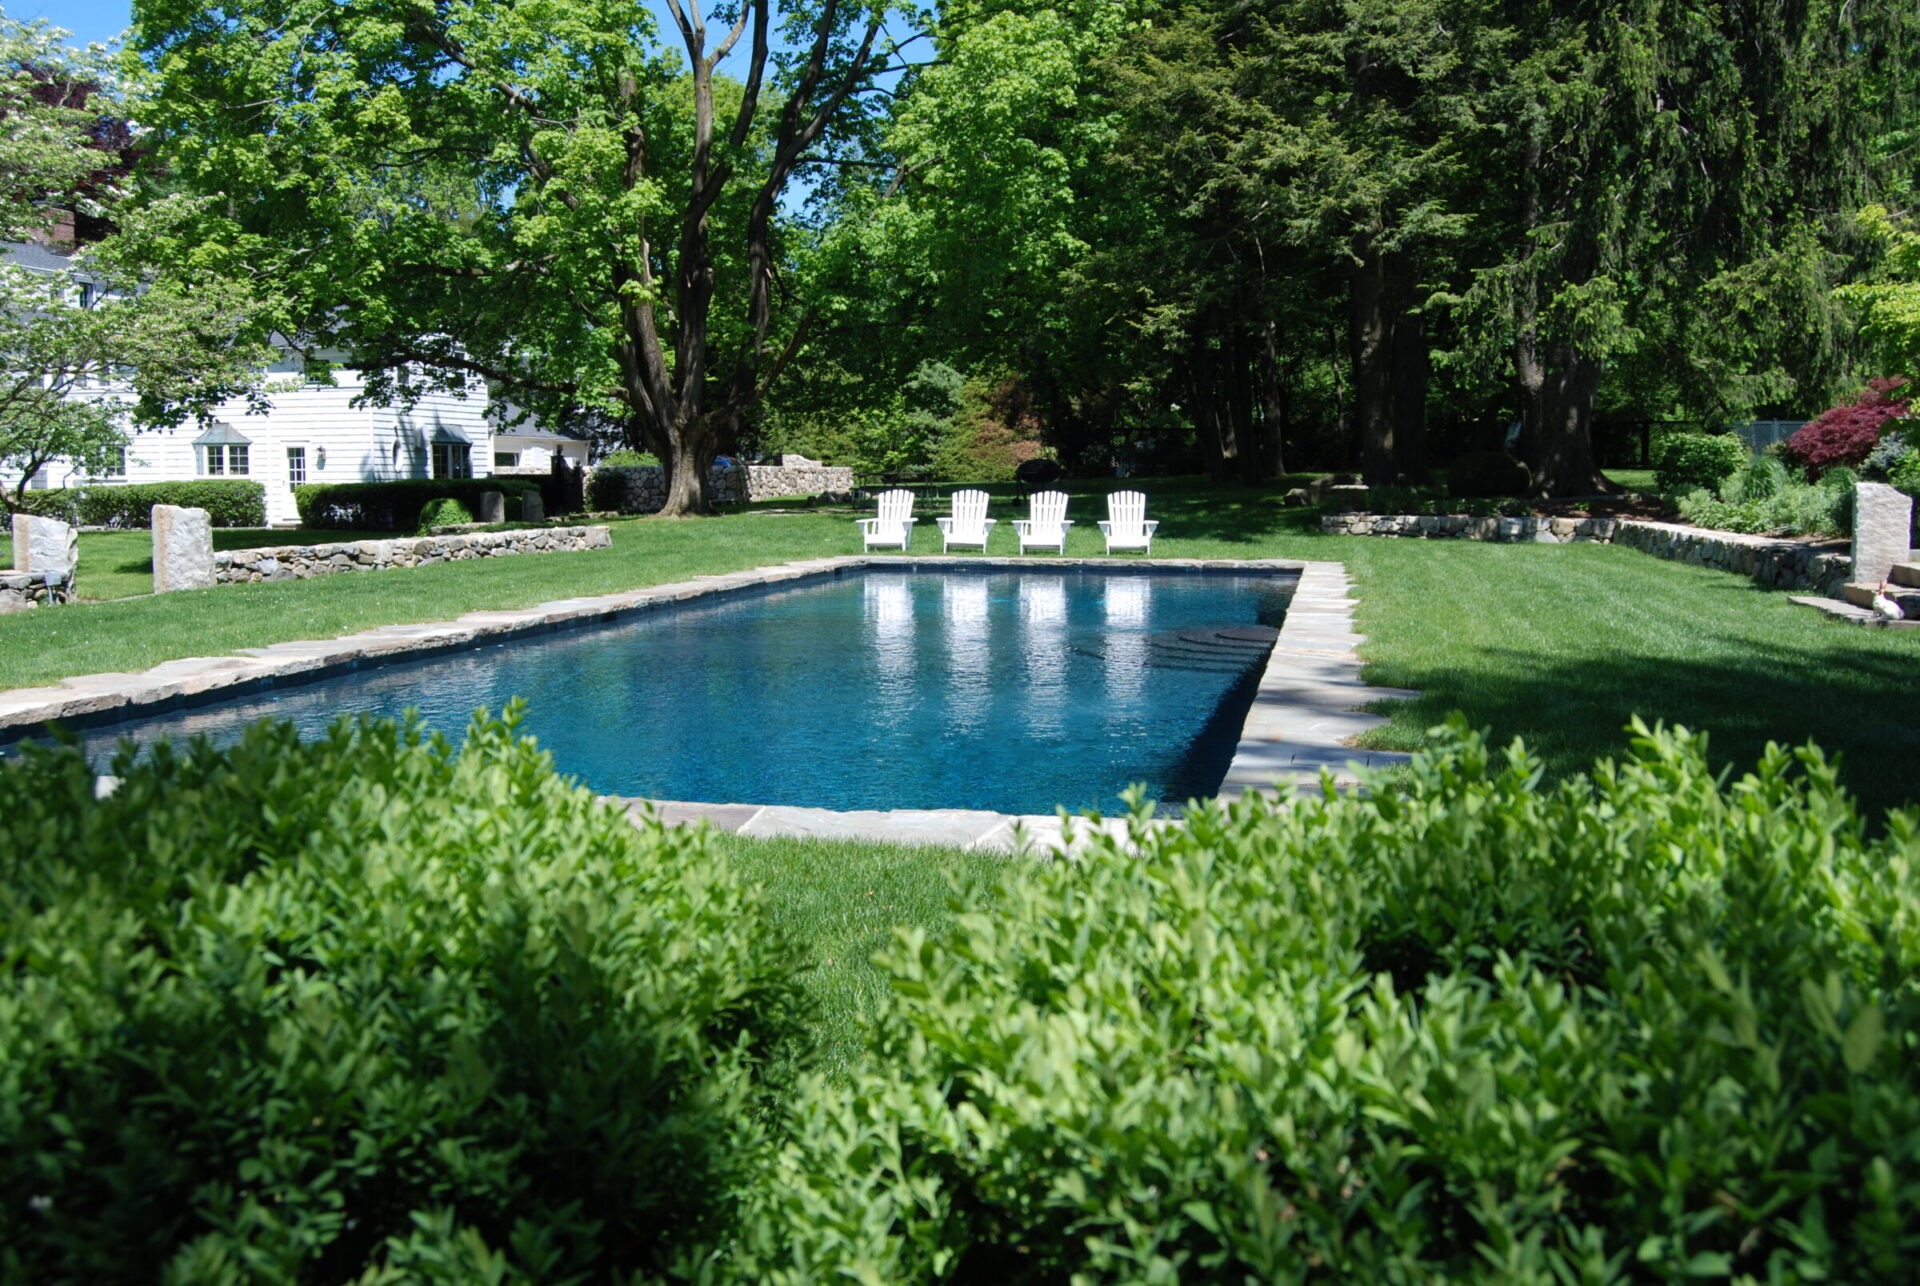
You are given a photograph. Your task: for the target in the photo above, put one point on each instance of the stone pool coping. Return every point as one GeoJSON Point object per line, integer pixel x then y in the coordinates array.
{"type": "Point", "coordinates": [1302, 716]}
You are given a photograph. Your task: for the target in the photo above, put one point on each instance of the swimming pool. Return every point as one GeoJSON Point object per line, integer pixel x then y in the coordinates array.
{"type": "Point", "coordinates": [1010, 691]}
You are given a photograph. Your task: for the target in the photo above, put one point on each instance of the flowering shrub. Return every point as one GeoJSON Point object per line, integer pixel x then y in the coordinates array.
{"type": "Point", "coordinates": [1847, 433]}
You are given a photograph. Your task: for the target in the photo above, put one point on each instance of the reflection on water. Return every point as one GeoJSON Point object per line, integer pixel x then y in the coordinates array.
{"type": "Point", "coordinates": [1014, 691]}
{"type": "Point", "coordinates": [1043, 633]}
{"type": "Point", "coordinates": [967, 603]}
{"type": "Point", "coordinates": [1129, 601]}
{"type": "Point", "coordinates": [889, 610]}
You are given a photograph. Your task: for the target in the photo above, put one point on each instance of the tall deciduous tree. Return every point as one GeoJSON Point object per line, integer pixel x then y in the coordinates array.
{"type": "Point", "coordinates": [70, 326]}
{"type": "Point", "coordinates": [548, 195]}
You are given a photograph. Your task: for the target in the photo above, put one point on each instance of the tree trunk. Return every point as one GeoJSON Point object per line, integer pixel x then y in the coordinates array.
{"type": "Point", "coordinates": [1560, 425]}
{"type": "Point", "coordinates": [1411, 371]}
{"type": "Point", "coordinates": [1273, 402]}
{"type": "Point", "coordinates": [1370, 340]}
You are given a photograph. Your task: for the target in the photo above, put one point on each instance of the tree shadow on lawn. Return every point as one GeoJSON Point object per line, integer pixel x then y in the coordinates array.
{"type": "Point", "coordinates": [1858, 703]}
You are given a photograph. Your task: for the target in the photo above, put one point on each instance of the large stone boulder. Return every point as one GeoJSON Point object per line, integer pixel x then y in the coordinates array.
{"type": "Point", "coordinates": [1485, 474]}
{"type": "Point", "coordinates": [182, 549]}
{"type": "Point", "coordinates": [45, 547]}
{"type": "Point", "coordinates": [1882, 525]}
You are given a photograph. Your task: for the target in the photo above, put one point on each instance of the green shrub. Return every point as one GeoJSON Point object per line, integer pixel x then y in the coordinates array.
{"type": "Point", "coordinates": [393, 506]}
{"type": "Point", "coordinates": [369, 1005]}
{"type": "Point", "coordinates": [1788, 507]}
{"type": "Point", "coordinates": [61, 503]}
{"type": "Point", "coordinates": [627, 459]}
{"type": "Point", "coordinates": [1642, 1026]}
{"type": "Point", "coordinates": [229, 502]}
{"type": "Point", "coordinates": [607, 488]}
{"type": "Point", "coordinates": [445, 512]}
{"type": "Point", "coordinates": [1686, 462]}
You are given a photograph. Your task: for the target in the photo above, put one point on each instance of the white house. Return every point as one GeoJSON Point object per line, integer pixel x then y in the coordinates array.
{"type": "Point", "coordinates": [314, 432]}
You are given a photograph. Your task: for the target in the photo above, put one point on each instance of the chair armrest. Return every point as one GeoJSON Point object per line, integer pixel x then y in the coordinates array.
{"type": "Point", "coordinates": [1151, 524]}
{"type": "Point", "coordinates": [867, 524]}
{"type": "Point", "coordinates": [1106, 527]}
{"type": "Point", "coordinates": [945, 525]}
{"type": "Point", "coordinates": [1023, 525]}
{"type": "Point", "coordinates": [1065, 523]}
{"type": "Point", "coordinates": [986, 524]}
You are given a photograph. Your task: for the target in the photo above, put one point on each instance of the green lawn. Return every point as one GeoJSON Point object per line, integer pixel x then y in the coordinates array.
{"type": "Point", "coordinates": [1559, 644]}
{"type": "Point", "coordinates": [839, 902]}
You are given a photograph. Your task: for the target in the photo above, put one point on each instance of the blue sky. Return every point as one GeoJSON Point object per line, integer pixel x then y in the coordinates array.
{"type": "Point", "coordinates": [88, 20]}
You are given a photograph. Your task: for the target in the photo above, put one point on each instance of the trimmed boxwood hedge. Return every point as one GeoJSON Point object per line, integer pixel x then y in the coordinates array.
{"type": "Point", "coordinates": [229, 502]}
{"type": "Point", "coordinates": [1644, 1027]}
{"type": "Point", "coordinates": [381, 1009]}
{"type": "Point", "coordinates": [371, 1005]}
{"type": "Point", "coordinates": [394, 506]}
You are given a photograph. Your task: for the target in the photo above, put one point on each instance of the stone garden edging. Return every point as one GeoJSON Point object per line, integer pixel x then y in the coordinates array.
{"type": "Point", "coordinates": [1783, 564]}
{"type": "Point", "coordinates": [301, 562]}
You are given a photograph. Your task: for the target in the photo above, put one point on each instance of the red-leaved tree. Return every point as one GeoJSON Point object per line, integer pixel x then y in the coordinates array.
{"type": "Point", "coordinates": [1847, 433]}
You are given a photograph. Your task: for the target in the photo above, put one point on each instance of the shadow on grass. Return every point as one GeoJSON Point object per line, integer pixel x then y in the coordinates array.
{"type": "Point", "coordinates": [1849, 690]}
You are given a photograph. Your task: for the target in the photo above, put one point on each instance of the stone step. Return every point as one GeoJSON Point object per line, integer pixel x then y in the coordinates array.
{"type": "Point", "coordinates": [1861, 595]}
{"type": "Point", "coordinates": [1906, 573]}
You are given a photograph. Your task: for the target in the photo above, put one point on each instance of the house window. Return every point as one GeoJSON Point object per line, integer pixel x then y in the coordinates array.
{"type": "Point", "coordinates": [296, 466]}
{"type": "Point", "coordinates": [116, 464]}
{"type": "Point", "coordinates": [222, 459]}
{"type": "Point", "coordinates": [40, 479]}
{"type": "Point", "coordinates": [450, 460]}
{"type": "Point", "coordinates": [506, 459]}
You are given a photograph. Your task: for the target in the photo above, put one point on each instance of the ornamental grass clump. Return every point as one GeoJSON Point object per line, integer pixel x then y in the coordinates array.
{"type": "Point", "coordinates": [1646, 1025]}
{"type": "Point", "coordinates": [374, 1008]}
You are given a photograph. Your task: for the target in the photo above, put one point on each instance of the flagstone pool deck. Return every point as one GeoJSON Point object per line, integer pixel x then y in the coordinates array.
{"type": "Point", "coordinates": [1304, 715]}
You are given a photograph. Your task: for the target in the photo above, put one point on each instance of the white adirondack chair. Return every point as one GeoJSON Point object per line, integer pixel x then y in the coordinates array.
{"type": "Point", "coordinates": [894, 526]}
{"type": "Point", "coordinates": [1046, 523]}
{"type": "Point", "coordinates": [969, 524]}
{"type": "Point", "coordinates": [1126, 525]}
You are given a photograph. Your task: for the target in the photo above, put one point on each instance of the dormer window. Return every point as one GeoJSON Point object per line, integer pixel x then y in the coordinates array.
{"type": "Point", "coordinates": [222, 451]}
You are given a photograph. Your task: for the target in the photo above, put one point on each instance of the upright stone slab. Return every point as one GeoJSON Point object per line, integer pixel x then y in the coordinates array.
{"type": "Point", "coordinates": [45, 546]}
{"type": "Point", "coordinates": [532, 507]}
{"type": "Point", "coordinates": [1882, 524]}
{"type": "Point", "coordinates": [182, 549]}
{"type": "Point", "coordinates": [491, 507]}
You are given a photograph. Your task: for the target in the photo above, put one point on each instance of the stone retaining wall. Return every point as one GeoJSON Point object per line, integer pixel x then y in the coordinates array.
{"type": "Point", "coordinates": [300, 562]}
{"type": "Point", "coordinates": [643, 488]}
{"type": "Point", "coordinates": [1786, 564]}
{"type": "Point", "coordinates": [22, 590]}
{"type": "Point", "coordinates": [1544, 531]}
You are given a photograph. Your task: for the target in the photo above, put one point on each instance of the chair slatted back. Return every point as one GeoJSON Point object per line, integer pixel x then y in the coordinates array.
{"type": "Point", "coordinates": [1127, 511]}
{"type": "Point", "coordinates": [1049, 510]}
{"type": "Point", "coordinates": [896, 506]}
{"type": "Point", "coordinates": [969, 510]}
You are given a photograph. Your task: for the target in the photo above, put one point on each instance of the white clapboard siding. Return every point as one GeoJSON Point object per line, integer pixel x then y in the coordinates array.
{"type": "Point", "coordinates": [342, 442]}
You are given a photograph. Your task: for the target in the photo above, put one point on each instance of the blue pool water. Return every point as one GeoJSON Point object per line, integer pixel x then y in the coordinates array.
{"type": "Point", "coordinates": [887, 689]}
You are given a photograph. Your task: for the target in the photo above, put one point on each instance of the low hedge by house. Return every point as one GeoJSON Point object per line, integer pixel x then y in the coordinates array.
{"type": "Point", "coordinates": [394, 506]}
{"type": "Point", "coordinates": [229, 502]}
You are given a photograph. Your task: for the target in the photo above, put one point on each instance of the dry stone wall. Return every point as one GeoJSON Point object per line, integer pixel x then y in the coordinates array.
{"type": "Point", "coordinates": [642, 489]}
{"type": "Point", "coordinates": [301, 562]}
{"type": "Point", "coordinates": [1786, 564]}
{"type": "Point", "coordinates": [20, 591]}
